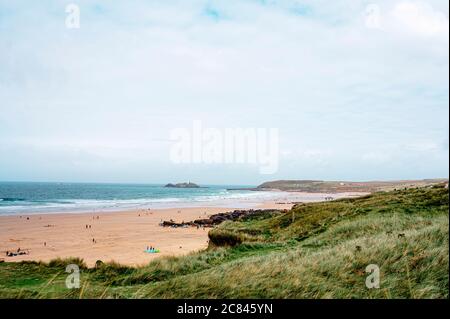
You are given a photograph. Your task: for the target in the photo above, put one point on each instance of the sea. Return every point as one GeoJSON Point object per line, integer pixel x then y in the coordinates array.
{"type": "Point", "coordinates": [37, 197]}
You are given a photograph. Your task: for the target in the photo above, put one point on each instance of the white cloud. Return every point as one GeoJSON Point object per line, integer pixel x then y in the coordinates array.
{"type": "Point", "coordinates": [423, 146]}
{"type": "Point", "coordinates": [376, 157]}
{"type": "Point", "coordinates": [312, 68]}
{"type": "Point", "coordinates": [420, 18]}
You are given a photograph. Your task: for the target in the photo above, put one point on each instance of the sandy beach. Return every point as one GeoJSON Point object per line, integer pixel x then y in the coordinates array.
{"type": "Point", "coordinates": [113, 236]}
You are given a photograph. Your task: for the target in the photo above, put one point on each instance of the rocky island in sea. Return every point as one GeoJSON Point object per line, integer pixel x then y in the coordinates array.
{"type": "Point", "coordinates": [183, 185]}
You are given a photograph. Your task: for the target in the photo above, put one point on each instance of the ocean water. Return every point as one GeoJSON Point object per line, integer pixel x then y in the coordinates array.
{"type": "Point", "coordinates": [24, 197]}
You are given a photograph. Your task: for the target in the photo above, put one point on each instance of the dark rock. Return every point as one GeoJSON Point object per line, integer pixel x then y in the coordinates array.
{"type": "Point", "coordinates": [216, 219]}
{"type": "Point", "coordinates": [182, 185]}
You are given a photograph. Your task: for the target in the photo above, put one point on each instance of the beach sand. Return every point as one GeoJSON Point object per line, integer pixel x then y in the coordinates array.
{"type": "Point", "coordinates": [113, 236]}
{"type": "Point", "coordinates": [119, 236]}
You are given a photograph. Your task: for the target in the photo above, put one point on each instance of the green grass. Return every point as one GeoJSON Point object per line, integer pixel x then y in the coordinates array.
{"type": "Point", "coordinates": [317, 250]}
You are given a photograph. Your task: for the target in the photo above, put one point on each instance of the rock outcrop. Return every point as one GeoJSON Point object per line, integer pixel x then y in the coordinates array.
{"type": "Point", "coordinates": [216, 219]}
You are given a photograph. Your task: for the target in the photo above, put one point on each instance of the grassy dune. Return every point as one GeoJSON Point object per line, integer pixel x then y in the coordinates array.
{"type": "Point", "coordinates": [315, 186]}
{"type": "Point", "coordinates": [317, 250]}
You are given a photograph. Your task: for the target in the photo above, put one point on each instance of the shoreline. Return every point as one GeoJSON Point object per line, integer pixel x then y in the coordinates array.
{"type": "Point", "coordinates": [119, 236]}
{"type": "Point", "coordinates": [233, 203]}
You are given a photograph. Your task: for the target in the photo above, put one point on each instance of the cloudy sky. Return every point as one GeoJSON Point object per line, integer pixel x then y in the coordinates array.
{"type": "Point", "coordinates": [357, 89]}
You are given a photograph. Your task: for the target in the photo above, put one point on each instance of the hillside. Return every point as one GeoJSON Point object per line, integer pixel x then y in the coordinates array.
{"type": "Point", "coordinates": [316, 186]}
{"type": "Point", "coordinates": [316, 250]}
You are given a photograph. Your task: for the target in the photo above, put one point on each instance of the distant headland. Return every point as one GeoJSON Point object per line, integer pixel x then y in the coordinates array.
{"type": "Point", "coordinates": [318, 186]}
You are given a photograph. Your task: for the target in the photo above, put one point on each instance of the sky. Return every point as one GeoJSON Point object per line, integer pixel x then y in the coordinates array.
{"type": "Point", "coordinates": [358, 90]}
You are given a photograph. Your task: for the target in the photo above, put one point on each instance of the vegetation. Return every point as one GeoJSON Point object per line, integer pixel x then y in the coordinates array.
{"type": "Point", "coordinates": [312, 186]}
{"type": "Point", "coordinates": [316, 250]}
